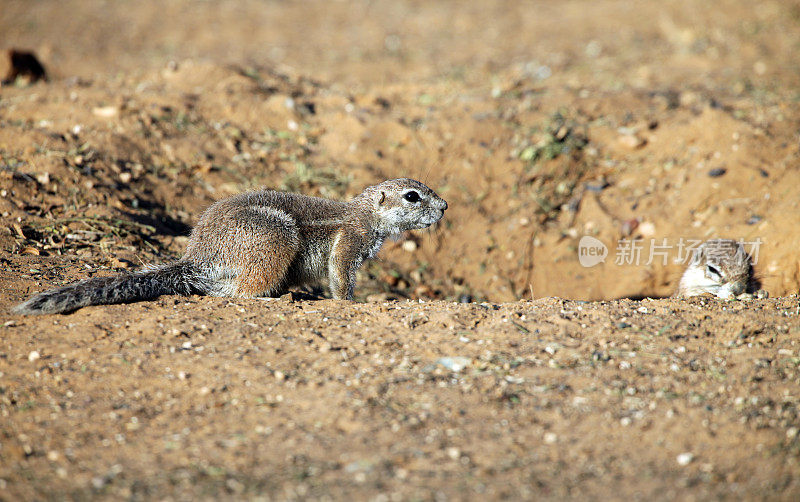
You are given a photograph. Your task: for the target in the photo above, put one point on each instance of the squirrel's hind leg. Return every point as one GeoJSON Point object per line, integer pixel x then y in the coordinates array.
{"type": "Point", "coordinates": [270, 244]}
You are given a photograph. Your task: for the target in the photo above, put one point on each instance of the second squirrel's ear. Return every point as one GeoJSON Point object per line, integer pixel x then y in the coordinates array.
{"type": "Point", "coordinates": [697, 256]}
{"type": "Point", "coordinates": [383, 198]}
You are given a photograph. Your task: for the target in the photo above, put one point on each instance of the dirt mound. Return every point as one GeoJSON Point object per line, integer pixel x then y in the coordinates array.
{"type": "Point", "coordinates": [525, 180]}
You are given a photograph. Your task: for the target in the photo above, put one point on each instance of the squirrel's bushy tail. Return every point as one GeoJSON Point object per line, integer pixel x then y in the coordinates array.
{"type": "Point", "coordinates": [179, 278]}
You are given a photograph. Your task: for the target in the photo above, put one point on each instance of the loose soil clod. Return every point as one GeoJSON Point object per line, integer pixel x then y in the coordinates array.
{"type": "Point", "coordinates": [22, 66]}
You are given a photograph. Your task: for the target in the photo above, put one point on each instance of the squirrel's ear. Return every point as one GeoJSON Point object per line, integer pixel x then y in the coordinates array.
{"type": "Point", "coordinates": [697, 256]}
{"type": "Point", "coordinates": [383, 198]}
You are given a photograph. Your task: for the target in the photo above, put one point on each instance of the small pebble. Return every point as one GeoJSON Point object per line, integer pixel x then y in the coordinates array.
{"type": "Point", "coordinates": [597, 186]}
{"type": "Point", "coordinates": [454, 363]}
{"type": "Point", "coordinates": [409, 246]}
{"type": "Point", "coordinates": [105, 112]}
{"type": "Point", "coordinates": [34, 355]}
{"type": "Point", "coordinates": [628, 226]}
{"type": "Point", "coordinates": [647, 229]}
{"type": "Point", "coordinates": [717, 172]}
{"type": "Point", "coordinates": [685, 458]}
{"type": "Point", "coordinates": [631, 141]}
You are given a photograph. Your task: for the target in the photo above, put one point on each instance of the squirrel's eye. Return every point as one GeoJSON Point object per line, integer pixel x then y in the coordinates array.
{"type": "Point", "coordinates": [411, 196]}
{"type": "Point", "coordinates": [712, 270]}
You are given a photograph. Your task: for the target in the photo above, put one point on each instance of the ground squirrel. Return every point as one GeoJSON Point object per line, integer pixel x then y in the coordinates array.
{"type": "Point", "coordinates": [720, 267]}
{"type": "Point", "coordinates": [263, 242]}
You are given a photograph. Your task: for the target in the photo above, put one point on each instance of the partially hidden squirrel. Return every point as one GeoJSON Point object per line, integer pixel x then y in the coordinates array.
{"type": "Point", "coordinates": [719, 267]}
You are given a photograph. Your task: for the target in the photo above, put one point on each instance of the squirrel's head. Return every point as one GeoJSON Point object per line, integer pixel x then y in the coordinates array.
{"type": "Point", "coordinates": [403, 204]}
{"type": "Point", "coordinates": [720, 267]}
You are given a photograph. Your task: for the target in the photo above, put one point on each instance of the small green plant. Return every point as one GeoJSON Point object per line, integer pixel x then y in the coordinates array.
{"type": "Point", "coordinates": [553, 163]}
{"type": "Point", "coordinates": [328, 180]}
{"type": "Point", "coordinates": [558, 136]}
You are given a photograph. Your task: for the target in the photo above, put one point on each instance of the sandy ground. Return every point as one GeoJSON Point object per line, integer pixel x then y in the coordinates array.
{"type": "Point", "coordinates": [482, 360]}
